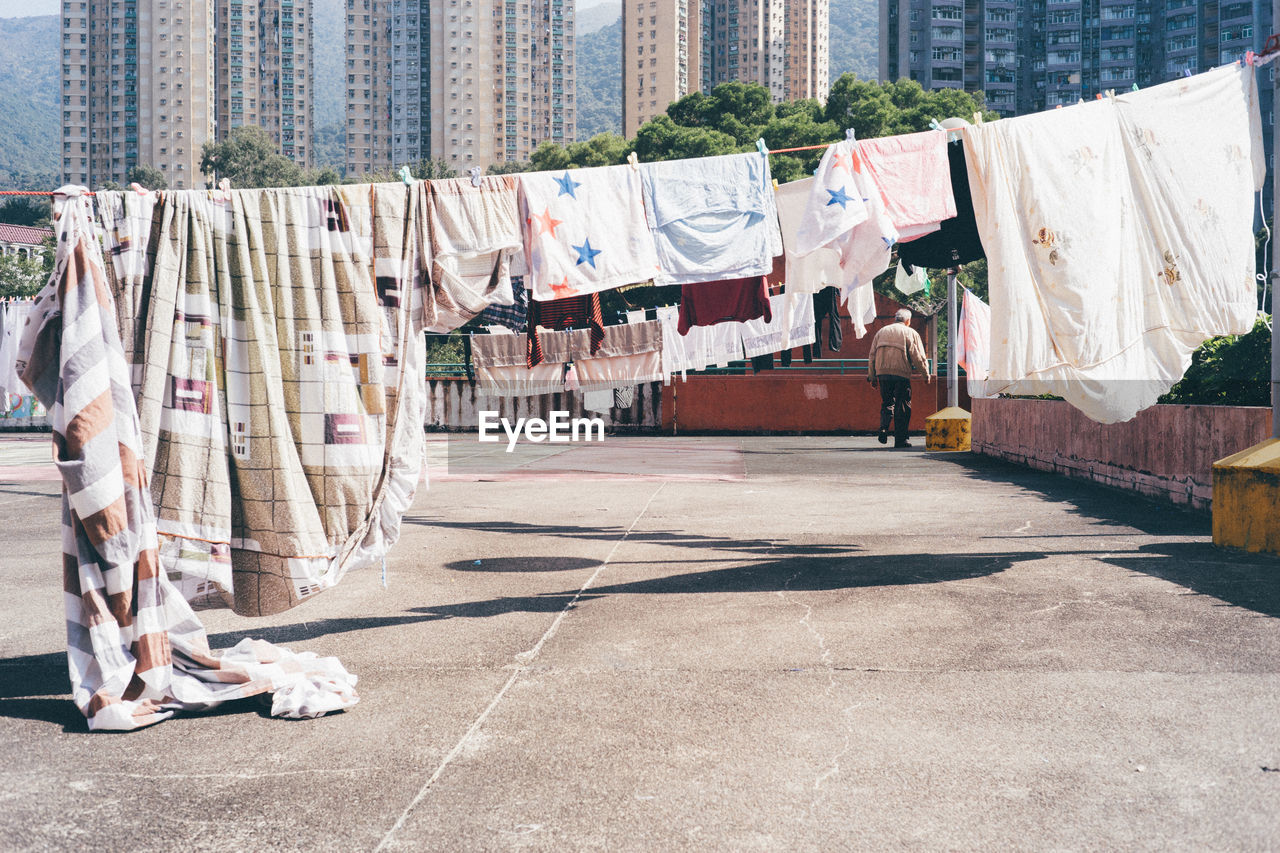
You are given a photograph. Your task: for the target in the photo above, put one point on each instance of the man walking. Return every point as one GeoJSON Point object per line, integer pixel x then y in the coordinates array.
{"type": "Point", "coordinates": [895, 350]}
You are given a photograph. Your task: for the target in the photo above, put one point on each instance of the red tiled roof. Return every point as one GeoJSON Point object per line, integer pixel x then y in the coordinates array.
{"type": "Point", "coordinates": [23, 234]}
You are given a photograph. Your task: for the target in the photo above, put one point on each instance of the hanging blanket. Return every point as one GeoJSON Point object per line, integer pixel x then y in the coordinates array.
{"type": "Point", "coordinates": [713, 218]}
{"type": "Point", "coordinates": [1119, 237]}
{"type": "Point", "coordinates": [585, 231]}
{"type": "Point", "coordinates": [136, 650]}
{"type": "Point", "coordinates": [279, 387]}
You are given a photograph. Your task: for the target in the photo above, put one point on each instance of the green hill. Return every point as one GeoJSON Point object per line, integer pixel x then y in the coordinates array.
{"type": "Point", "coordinates": [29, 130]}
{"type": "Point", "coordinates": [855, 40]}
{"type": "Point", "coordinates": [600, 81]}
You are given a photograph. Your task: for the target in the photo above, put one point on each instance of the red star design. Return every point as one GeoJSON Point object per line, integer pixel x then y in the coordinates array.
{"type": "Point", "coordinates": [563, 290]}
{"type": "Point", "coordinates": [545, 224]}
{"type": "Point", "coordinates": [843, 160]}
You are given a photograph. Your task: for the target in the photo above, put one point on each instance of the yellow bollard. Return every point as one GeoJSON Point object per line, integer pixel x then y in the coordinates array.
{"type": "Point", "coordinates": [947, 430]}
{"type": "Point", "coordinates": [1246, 499]}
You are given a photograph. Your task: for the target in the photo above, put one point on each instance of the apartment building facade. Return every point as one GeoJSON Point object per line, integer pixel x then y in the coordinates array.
{"type": "Point", "coordinates": [137, 88]}
{"type": "Point", "coordinates": [1030, 55]}
{"type": "Point", "coordinates": [264, 72]}
{"type": "Point", "coordinates": [660, 61]}
{"type": "Point", "coordinates": [470, 82]}
{"type": "Point", "coordinates": [673, 47]}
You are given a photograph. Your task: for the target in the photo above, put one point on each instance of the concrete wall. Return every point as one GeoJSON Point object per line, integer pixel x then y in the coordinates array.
{"type": "Point", "coordinates": [454, 406]}
{"type": "Point", "coordinates": [1166, 452]}
{"type": "Point", "coordinates": [778, 402]}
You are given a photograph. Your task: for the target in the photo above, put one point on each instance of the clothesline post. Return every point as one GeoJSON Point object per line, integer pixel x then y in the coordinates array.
{"type": "Point", "coordinates": [953, 369]}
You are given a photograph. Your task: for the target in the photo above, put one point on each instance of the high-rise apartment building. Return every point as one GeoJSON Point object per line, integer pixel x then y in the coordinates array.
{"type": "Point", "coordinates": [472, 82]}
{"type": "Point", "coordinates": [660, 61]}
{"type": "Point", "coordinates": [1029, 55]}
{"type": "Point", "coordinates": [264, 71]}
{"type": "Point", "coordinates": [137, 88]}
{"type": "Point", "coordinates": [673, 47]}
{"type": "Point", "coordinates": [141, 86]}
{"type": "Point", "coordinates": [781, 44]}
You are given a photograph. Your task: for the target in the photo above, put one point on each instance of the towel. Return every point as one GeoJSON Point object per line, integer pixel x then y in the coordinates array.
{"type": "Point", "coordinates": [474, 231]}
{"type": "Point", "coordinates": [810, 272]}
{"type": "Point", "coordinates": [914, 177]}
{"type": "Point", "coordinates": [585, 231]}
{"type": "Point", "coordinates": [713, 218]}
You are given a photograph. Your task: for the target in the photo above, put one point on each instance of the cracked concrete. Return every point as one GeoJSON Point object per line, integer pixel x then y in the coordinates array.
{"type": "Point", "coordinates": [835, 645]}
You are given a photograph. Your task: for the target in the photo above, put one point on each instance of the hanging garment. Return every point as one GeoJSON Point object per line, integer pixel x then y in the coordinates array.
{"type": "Point", "coordinates": [502, 369]}
{"type": "Point", "coordinates": [279, 388]}
{"type": "Point", "coordinates": [585, 231]}
{"type": "Point", "coordinates": [712, 218]}
{"type": "Point", "coordinates": [137, 653]}
{"type": "Point", "coordinates": [625, 398]}
{"type": "Point", "coordinates": [763, 336]}
{"type": "Point", "coordinates": [15, 319]}
{"type": "Point", "coordinates": [811, 272]}
{"type": "Point", "coordinates": [911, 282]}
{"type": "Point", "coordinates": [956, 241]}
{"type": "Point", "coordinates": [573, 312]}
{"type": "Point", "coordinates": [799, 329]}
{"type": "Point", "coordinates": [914, 178]}
{"type": "Point", "coordinates": [628, 355]}
{"type": "Point", "coordinates": [846, 212]}
{"type": "Point", "coordinates": [514, 316]}
{"type": "Point", "coordinates": [474, 230]}
{"type": "Point", "coordinates": [826, 306]}
{"type": "Point", "coordinates": [1118, 237]}
{"type": "Point", "coordinates": [973, 344]}
{"type": "Point", "coordinates": [598, 401]}
{"type": "Point", "coordinates": [681, 353]}
{"type": "Point", "coordinates": [724, 343]}
{"type": "Point", "coordinates": [734, 300]}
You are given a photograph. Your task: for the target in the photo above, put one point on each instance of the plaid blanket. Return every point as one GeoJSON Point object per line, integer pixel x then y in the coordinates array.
{"type": "Point", "coordinates": [136, 650]}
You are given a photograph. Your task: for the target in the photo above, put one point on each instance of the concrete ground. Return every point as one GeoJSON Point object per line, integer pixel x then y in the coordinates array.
{"type": "Point", "coordinates": [724, 644]}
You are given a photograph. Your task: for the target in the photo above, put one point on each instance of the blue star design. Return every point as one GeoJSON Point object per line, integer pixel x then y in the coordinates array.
{"type": "Point", "coordinates": [586, 254]}
{"type": "Point", "coordinates": [839, 197]}
{"type": "Point", "coordinates": [568, 185]}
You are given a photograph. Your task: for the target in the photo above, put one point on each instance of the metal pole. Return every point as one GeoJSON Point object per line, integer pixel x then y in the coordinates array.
{"type": "Point", "coordinates": [953, 369]}
{"type": "Point", "coordinates": [1274, 272]}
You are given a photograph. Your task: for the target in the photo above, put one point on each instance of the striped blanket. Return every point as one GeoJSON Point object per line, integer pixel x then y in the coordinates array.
{"type": "Point", "coordinates": [274, 443]}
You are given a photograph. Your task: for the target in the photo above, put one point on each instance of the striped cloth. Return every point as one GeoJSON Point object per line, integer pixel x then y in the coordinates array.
{"type": "Point", "coordinates": [137, 652]}
{"type": "Point", "coordinates": [556, 315]}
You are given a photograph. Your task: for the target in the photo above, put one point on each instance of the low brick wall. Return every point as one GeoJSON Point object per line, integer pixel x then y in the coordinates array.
{"type": "Point", "coordinates": [454, 406]}
{"type": "Point", "coordinates": [1166, 452]}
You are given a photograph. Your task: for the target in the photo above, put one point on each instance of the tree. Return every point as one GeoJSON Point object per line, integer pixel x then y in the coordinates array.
{"type": "Point", "coordinates": [34, 210]}
{"type": "Point", "coordinates": [509, 167]}
{"type": "Point", "coordinates": [147, 176]}
{"type": "Point", "coordinates": [1229, 371]}
{"type": "Point", "coordinates": [662, 139]}
{"type": "Point", "coordinates": [433, 170]}
{"type": "Point", "coordinates": [249, 159]}
{"type": "Point", "coordinates": [21, 276]}
{"type": "Point", "coordinates": [873, 109]}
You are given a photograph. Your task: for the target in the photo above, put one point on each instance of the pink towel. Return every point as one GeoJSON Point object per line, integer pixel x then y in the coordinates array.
{"type": "Point", "coordinates": [914, 177]}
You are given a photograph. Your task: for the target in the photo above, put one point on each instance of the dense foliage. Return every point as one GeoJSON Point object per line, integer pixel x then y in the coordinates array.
{"type": "Point", "coordinates": [1229, 371]}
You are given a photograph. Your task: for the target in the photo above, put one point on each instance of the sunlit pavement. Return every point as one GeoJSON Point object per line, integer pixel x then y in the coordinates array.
{"type": "Point", "coordinates": [700, 643]}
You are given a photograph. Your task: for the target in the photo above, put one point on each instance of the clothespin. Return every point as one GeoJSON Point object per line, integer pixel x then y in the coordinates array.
{"type": "Point", "coordinates": [762, 148]}
{"type": "Point", "coordinates": [406, 176]}
{"type": "Point", "coordinates": [933, 125]}
{"type": "Point", "coordinates": [1135, 87]}
{"type": "Point", "coordinates": [977, 119]}
{"type": "Point", "coordinates": [1058, 107]}
{"type": "Point", "coordinates": [476, 174]}
{"type": "Point", "coordinates": [1186, 72]}
{"type": "Point", "coordinates": [1098, 97]}
{"type": "Point", "coordinates": [1250, 57]}
{"type": "Point", "coordinates": [139, 188]}
{"type": "Point", "coordinates": [850, 135]}
{"type": "Point", "coordinates": [1111, 94]}
{"type": "Point", "coordinates": [633, 160]}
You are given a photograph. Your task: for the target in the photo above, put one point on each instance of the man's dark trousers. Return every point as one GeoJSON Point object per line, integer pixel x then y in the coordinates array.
{"type": "Point", "coordinates": [895, 405]}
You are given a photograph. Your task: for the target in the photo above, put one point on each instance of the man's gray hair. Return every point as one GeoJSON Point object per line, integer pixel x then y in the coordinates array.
{"type": "Point", "coordinates": [903, 315]}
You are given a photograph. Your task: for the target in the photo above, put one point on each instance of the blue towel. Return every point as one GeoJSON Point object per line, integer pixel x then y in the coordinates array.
{"type": "Point", "coordinates": [713, 218]}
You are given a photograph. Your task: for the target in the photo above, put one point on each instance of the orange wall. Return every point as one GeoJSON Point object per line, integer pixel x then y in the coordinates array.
{"type": "Point", "coordinates": [765, 403]}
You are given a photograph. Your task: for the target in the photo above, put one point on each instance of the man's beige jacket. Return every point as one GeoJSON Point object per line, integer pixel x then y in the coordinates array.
{"type": "Point", "coordinates": [895, 350]}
